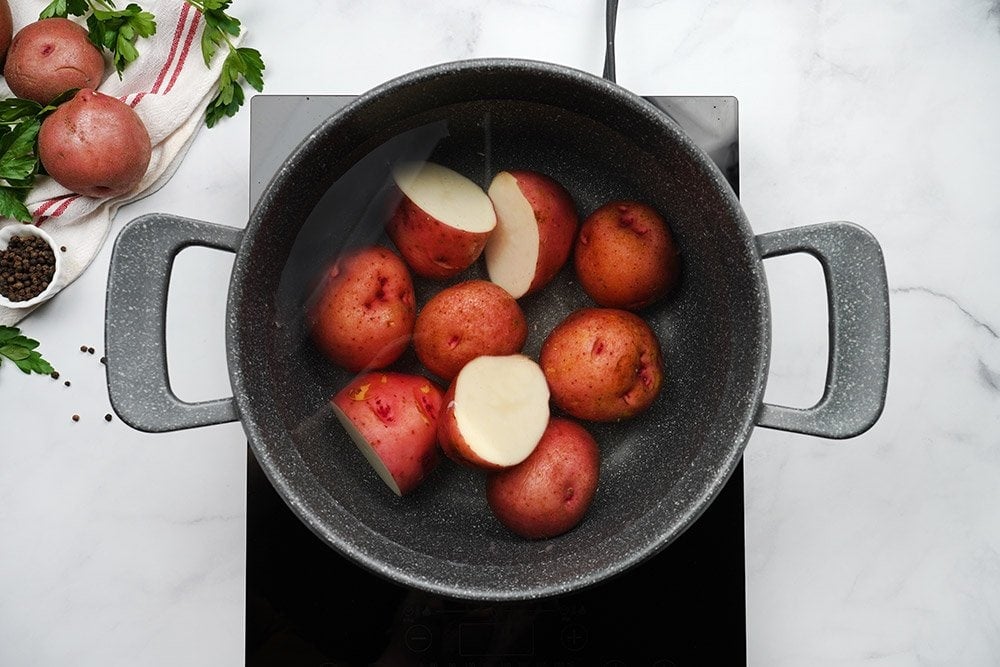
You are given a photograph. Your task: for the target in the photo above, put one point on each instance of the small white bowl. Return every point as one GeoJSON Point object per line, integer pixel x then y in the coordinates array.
{"type": "Point", "coordinates": [22, 229]}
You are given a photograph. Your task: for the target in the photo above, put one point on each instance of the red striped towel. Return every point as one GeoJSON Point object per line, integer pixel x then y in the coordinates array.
{"type": "Point", "coordinates": [170, 87]}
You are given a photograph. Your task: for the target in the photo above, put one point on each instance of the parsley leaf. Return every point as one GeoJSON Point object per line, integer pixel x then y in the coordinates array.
{"type": "Point", "coordinates": [20, 121]}
{"type": "Point", "coordinates": [63, 8]}
{"type": "Point", "coordinates": [116, 30]}
{"type": "Point", "coordinates": [21, 350]}
{"type": "Point", "coordinates": [12, 205]}
{"type": "Point", "coordinates": [17, 151]}
{"type": "Point", "coordinates": [242, 64]}
{"type": "Point", "coordinates": [14, 109]}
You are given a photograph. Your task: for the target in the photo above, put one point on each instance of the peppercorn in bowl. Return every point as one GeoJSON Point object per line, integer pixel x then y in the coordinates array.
{"type": "Point", "coordinates": [30, 266]}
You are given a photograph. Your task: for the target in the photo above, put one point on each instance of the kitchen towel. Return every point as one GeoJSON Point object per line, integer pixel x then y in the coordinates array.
{"type": "Point", "coordinates": [169, 86]}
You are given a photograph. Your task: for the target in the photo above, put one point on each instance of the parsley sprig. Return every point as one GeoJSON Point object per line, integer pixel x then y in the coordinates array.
{"type": "Point", "coordinates": [242, 62]}
{"type": "Point", "coordinates": [20, 121]}
{"type": "Point", "coordinates": [116, 30]}
{"type": "Point", "coordinates": [21, 350]}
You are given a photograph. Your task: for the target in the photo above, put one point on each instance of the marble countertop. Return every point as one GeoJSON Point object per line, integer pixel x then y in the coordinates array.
{"type": "Point", "coordinates": [123, 548]}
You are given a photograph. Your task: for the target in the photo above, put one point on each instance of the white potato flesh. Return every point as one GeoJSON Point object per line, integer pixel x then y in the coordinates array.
{"type": "Point", "coordinates": [512, 250]}
{"type": "Point", "coordinates": [366, 448]}
{"type": "Point", "coordinates": [446, 195]}
{"type": "Point", "coordinates": [501, 407]}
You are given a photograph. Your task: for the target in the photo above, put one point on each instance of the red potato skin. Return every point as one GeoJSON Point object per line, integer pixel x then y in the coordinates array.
{"type": "Point", "coordinates": [450, 438]}
{"type": "Point", "coordinates": [364, 310]}
{"type": "Point", "coordinates": [6, 30]}
{"type": "Point", "coordinates": [548, 493]}
{"type": "Point", "coordinates": [558, 223]}
{"type": "Point", "coordinates": [464, 321]}
{"type": "Point", "coordinates": [602, 364]}
{"type": "Point", "coordinates": [625, 256]}
{"type": "Point", "coordinates": [94, 145]}
{"type": "Point", "coordinates": [397, 413]}
{"type": "Point", "coordinates": [50, 56]}
{"type": "Point", "coordinates": [431, 248]}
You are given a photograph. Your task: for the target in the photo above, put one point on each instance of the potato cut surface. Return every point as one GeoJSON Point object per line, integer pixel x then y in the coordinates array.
{"type": "Point", "coordinates": [502, 407]}
{"type": "Point", "coordinates": [446, 195]}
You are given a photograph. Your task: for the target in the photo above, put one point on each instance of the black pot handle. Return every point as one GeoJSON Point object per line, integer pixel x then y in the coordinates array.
{"type": "Point", "coordinates": [135, 322]}
{"type": "Point", "coordinates": [858, 296]}
{"type": "Point", "coordinates": [610, 22]}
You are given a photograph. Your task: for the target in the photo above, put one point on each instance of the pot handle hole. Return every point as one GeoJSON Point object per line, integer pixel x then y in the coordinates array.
{"type": "Point", "coordinates": [858, 303]}
{"type": "Point", "coordinates": [135, 322]}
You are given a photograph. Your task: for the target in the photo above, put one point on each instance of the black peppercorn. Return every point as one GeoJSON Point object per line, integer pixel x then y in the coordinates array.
{"type": "Point", "coordinates": [27, 266]}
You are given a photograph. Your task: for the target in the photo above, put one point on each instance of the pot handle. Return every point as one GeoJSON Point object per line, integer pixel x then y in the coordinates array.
{"type": "Point", "coordinates": [135, 322]}
{"type": "Point", "coordinates": [858, 296]}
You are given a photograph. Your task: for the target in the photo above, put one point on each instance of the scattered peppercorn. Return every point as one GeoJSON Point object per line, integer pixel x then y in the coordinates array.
{"type": "Point", "coordinates": [107, 417]}
{"type": "Point", "coordinates": [54, 375]}
{"type": "Point", "coordinates": [104, 360]}
{"type": "Point", "coordinates": [83, 348]}
{"type": "Point", "coordinates": [90, 350]}
{"type": "Point", "coordinates": [62, 248]}
{"type": "Point", "coordinates": [26, 267]}
{"type": "Point", "coordinates": [66, 383]}
{"type": "Point", "coordinates": [76, 418]}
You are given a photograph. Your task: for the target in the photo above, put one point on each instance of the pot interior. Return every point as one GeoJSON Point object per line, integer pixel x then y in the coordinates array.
{"type": "Point", "coordinates": [658, 470]}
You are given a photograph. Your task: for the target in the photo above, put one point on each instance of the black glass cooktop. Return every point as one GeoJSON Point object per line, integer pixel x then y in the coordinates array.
{"type": "Point", "coordinates": [306, 605]}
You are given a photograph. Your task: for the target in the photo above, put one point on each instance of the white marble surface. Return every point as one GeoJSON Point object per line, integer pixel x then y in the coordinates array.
{"type": "Point", "coordinates": [122, 548]}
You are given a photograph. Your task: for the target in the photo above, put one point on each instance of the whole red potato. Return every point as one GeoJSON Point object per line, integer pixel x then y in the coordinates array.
{"type": "Point", "coordinates": [50, 56]}
{"type": "Point", "coordinates": [6, 30]}
{"type": "Point", "coordinates": [363, 311]}
{"type": "Point", "coordinates": [95, 145]}
{"type": "Point", "coordinates": [625, 256]}
{"type": "Point", "coordinates": [549, 492]}
{"type": "Point", "coordinates": [464, 321]}
{"type": "Point", "coordinates": [602, 364]}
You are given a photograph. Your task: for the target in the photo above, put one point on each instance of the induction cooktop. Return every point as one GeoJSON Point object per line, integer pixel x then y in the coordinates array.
{"type": "Point", "coordinates": [307, 605]}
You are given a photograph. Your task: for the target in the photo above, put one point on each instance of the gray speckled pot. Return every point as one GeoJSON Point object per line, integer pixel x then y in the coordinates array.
{"type": "Point", "coordinates": [659, 472]}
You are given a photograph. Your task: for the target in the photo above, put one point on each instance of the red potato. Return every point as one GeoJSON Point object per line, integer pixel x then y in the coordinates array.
{"type": "Point", "coordinates": [549, 492]}
{"type": "Point", "coordinates": [496, 410]}
{"type": "Point", "coordinates": [6, 30]}
{"type": "Point", "coordinates": [467, 320]}
{"type": "Point", "coordinates": [602, 364]}
{"type": "Point", "coordinates": [536, 224]}
{"type": "Point", "coordinates": [442, 222]}
{"type": "Point", "coordinates": [392, 418]}
{"type": "Point", "coordinates": [50, 56]}
{"type": "Point", "coordinates": [363, 311]}
{"type": "Point", "coordinates": [625, 256]}
{"type": "Point", "coordinates": [95, 145]}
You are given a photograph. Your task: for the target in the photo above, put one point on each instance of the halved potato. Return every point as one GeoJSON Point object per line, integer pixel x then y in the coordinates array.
{"type": "Point", "coordinates": [536, 225]}
{"type": "Point", "coordinates": [392, 418]}
{"type": "Point", "coordinates": [443, 219]}
{"type": "Point", "coordinates": [496, 410]}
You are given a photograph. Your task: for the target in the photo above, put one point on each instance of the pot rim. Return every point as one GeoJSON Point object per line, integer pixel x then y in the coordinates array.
{"type": "Point", "coordinates": [289, 487]}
